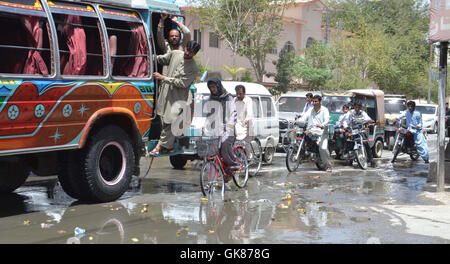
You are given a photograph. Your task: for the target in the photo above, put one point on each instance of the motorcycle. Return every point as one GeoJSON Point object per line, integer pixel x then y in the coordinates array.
{"type": "Point", "coordinates": [356, 136]}
{"type": "Point", "coordinates": [304, 147]}
{"type": "Point", "coordinates": [404, 142]}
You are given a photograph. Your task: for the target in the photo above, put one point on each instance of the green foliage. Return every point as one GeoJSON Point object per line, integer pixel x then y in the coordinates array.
{"type": "Point", "coordinates": [247, 77]}
{"type": "Point", "coordinates": [201, 68]}
{"type": "Point", "coordinates": [233, 71]}
{"type": "Point", "coordinates": [314, 65]}
{"type": "Point", "coordinates": [284, 73]}
{"type": "Point", "coordinates": [388, 45]}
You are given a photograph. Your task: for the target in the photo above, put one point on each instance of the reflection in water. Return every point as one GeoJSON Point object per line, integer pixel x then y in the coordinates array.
{"type": "Point", "coordinates": [34, 197]}
{"type": "Point", "coordinates": [218, 221]}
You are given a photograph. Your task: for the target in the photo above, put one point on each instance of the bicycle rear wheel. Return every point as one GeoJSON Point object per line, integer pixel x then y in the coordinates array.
{"type": "Point", "coordinates": [287, 140]}
{"type": "Point", "coordinates": [254, 157]}
{"type": "Point", "coordinates": [240, 177]}
{"type": "Point", "coordinates": [211, 179]}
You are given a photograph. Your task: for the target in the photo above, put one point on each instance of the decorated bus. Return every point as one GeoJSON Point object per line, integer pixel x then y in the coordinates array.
{"type": "Point", "coordinates": [76, 92]}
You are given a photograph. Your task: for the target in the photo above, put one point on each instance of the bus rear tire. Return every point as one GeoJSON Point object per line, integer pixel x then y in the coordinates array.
{"type": "Point", "coordinates": [12, 176]}
{"type": "Point", "coordinates": [178, 162]}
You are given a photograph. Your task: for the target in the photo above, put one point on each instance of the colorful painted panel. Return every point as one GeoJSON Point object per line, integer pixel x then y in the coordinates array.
{"type": "Point", "coordinates": [39, 114]}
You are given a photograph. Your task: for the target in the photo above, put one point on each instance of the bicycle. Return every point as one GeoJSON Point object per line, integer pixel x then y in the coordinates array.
{"type": "Point", "coordinates": [253, 151]}
{"type": "Point", "coordinates": [289, 136]}
{"type": "Point", "coordinates": [214, 173]}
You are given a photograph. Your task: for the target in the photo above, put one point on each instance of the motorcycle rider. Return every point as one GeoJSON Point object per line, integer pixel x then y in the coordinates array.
{"type": "Point", "coordinates": [414, 123]}
{"type": "Point", "coordinates": [317, 118]}
{"type": "Point", "coordinates": [342, 124]}
{"type": "Point", "coordinates": [357, 115]}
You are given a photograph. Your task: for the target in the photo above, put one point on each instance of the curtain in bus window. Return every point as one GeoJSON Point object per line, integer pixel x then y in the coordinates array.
{"type": "Point", "coordinates": [137, 66]}
{"type": "Point", "coordinates": [76, 42]}
{"type": "Point", "coordinates": [34, 64]}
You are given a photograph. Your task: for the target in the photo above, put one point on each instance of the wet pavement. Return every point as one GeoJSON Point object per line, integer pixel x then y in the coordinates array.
{"type": "Point", "coordinates": [307, 206]}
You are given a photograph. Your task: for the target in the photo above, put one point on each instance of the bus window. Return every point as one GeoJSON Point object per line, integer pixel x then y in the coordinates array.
{"type": "Point", "coordinates": [24, 39]}
{"type": "Point", "coordinates": [130, 57]}
{"type": "Point", "coordinates": [80, 41]}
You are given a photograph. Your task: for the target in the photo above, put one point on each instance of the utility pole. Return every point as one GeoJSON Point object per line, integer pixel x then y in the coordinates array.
{"type": "Point", "coordinates": [327, 21]}
{"type": "Point", "coordinates": [441, 131]}
{"type": "Point", "coordinates": [429, 74]}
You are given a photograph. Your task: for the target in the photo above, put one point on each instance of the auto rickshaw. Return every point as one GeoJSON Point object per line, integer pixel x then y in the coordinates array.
{"type": "Point", "coordinates": [334, 101]}
{"type": "Point", "coordinates": [372, 101]}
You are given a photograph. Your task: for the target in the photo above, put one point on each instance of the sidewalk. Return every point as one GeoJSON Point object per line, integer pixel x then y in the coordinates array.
{"type": "Point", "coordinates": [426, 220]}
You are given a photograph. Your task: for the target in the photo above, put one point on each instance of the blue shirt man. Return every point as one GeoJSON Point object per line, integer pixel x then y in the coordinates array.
{"type": "Point", "coordinates": [414, 123]}
{"type": "Point", "coordinates": [309, 104]}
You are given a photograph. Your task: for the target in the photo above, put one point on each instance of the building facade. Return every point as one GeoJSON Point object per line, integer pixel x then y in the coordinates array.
{"type": "Point", "coordinates": [302, 25]}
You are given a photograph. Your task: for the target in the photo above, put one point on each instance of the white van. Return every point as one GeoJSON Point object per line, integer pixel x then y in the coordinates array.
{"type": "Point", "coordinates": [266, 119]}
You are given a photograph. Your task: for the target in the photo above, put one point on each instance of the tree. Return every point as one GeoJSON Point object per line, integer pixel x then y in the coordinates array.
{"type": "Point", "coordinates": [314, 65]}
{"type": "Point", "coordinates": [388, 44]}
{"type": "Point", "coordinates": [226, 18]}
{"type": "Point", "coordinates": [284, 74]}
{"type": "Point", "coordinates": [251, 28]}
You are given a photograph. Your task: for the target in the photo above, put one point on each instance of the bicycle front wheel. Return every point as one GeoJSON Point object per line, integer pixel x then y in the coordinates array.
{"type": "Point", "coordinates": [211, 179]}
{"type": "Point", "coordinates": [254, 157]}
{"type": "Point", "coordinates": [240, 177]}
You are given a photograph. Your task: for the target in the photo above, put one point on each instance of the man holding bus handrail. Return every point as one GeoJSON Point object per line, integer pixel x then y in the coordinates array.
{"type": "Point", "coordinates": [174, 88]}
{"type": "Point", "coordinates": [174, 42]}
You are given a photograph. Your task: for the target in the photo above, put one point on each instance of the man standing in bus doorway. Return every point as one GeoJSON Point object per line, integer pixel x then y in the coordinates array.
{"type": "Point", "coordinates": [244, 107]}
{"type": "Point", "coordinates": [174, 42]}
{"type": "Point", "coordinates": [174, 88]}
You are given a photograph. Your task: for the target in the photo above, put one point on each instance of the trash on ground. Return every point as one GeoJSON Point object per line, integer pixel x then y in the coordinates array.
{"type": "Point", "coordinates": [79, 231]}
{"type": "Point", "coordinates": [46, 226]}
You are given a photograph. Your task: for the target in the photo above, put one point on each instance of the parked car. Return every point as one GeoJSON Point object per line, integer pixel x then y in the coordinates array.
{"type": "Point", "coordinates": [290, 105]}
{"type": "Point", "coordinates": [429, 117]}
{"type": "Point", "coordinates": [266, 126]}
